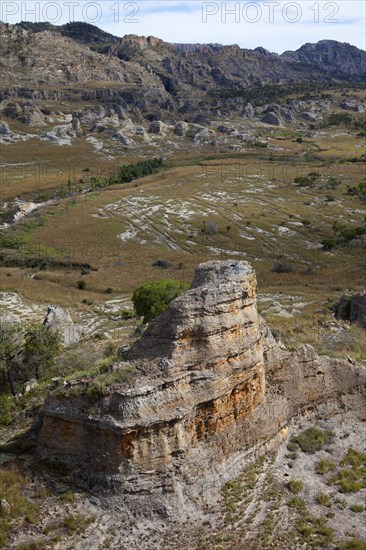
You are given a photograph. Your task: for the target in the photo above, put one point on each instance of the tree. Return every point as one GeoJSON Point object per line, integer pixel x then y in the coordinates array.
{"type": "Point", "coordinates": [10, 351]}
{"type": "Point", "coordinates": [151, 299]}
{"type": "Point", "coordinates": [40, 348]}
{"type": "Point", "coordinates": [26, 352]}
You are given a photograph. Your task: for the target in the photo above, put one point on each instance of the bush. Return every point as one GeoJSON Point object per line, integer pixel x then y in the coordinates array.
{"type": "Point", "coordinates": [324, 466]}
{"type": "Point", "coordinates": [295, 486]}
{"type": "Point", "coordinates": [127, 314]}
{"type": "Point", "coordinates": [354, 544]}
{"type": "Point", "coordinates": [77, 523]}
{"type": "Point", "coordinates": [151, 299]}
{"type": "Point", "coordinates": [12, 485]}
{"type": "Point", "coordinates": [282, 267]}
{"type": "Point", "coordinates": [357, 508]}
{"type": "Point", "coordinates": [81, 285]}
{"type": "Point", "coordinates": [303, 181]}
{"type": "Point", "coordinates": [329, 244]}
{"type": "Point", "coordinates": [313, 439]}
{"type": "Point", "coordinates": [324, 500]}
{"type": "Point", "coordinates": [6, 410]}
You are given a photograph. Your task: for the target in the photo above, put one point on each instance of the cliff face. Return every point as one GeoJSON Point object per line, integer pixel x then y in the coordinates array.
{"type": "Point", "coordinates": [212, 388]}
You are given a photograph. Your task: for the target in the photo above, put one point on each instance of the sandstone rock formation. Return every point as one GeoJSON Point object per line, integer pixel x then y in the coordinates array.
{"type": "Point", "coordinates": [212, 388]}
{"type": "Point", "coordinates": [272, 119]}
{"type": "Point", "coordinates": [352, 309]}
{"type": "Point", "coordinates": [59, 320]}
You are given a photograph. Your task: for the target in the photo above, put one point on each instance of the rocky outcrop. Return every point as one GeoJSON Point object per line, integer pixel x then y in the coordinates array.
{"type": "Point", "coordinates": [4, 129]}
{"type": "Point", "coordinates": [157, 127]}
{"type": "Point", "coordinates": [272, 119]}
{"type": "Point", "coordinates": [60, 321]}
{"type": "Point", "coordinates": [211, 389]}
{"type": "Point", "coordinates": [352, 309]}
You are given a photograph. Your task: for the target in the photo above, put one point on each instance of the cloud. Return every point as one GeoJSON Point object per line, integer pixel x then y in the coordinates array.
{"type": "Point", "coordinates": [277, 25]}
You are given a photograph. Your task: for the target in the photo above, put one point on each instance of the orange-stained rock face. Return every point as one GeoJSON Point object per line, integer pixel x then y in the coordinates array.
{"type": "Point", "coordinates": [212, 387]}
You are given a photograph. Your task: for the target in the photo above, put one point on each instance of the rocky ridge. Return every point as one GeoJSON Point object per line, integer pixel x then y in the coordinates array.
{"type": "Point", "coordinates": [211, 390]}
{"type": "Point", "coordinates": [149, 78]}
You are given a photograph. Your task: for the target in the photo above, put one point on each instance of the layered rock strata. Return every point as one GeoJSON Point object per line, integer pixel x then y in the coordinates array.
{"type": "Point", "coordinates": [211, 389]}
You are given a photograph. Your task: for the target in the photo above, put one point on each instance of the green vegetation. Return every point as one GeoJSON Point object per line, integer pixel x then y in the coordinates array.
{"type": "Point", "coordinates": [360, 190]}
{"type": "Point", "coordinates": [25, 353]}
{"type": "Point", "coordinates": [358, 508]}
{"type": "Point", "coordinates": [313, 439]}
{"type": "Point", "coordinates": [238, 493]}
{"type": "Point", "coordinates": [128, 173]}
{"type": "Point", "coordinates": [295, 486]}
{"type": "Point", "coordinates": [352, 478]}
{"type": "Point", "coordinates": [354, 544]}
{"type": "Point", "coordinates": [324, 466]}
{"type": "Point", "coordinates": [324, 500]}
{"type": "Point", "coordinates": [18, 508]}
{"type": "Point", "coordinates": [76, 523]}
{"type": "Point", "coordinates": [151, 299]}
{"type": "Point", "coordinates": [315, 529]}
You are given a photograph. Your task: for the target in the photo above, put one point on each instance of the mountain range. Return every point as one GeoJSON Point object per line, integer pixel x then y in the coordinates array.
{"type": "Point", "coordinates": [152, 75]}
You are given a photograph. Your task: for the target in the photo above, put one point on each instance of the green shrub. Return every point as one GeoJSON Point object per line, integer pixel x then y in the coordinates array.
{"type": "Point", "coordinates": [12, 485]}
{"type": "Point", "coordinates": [329, 243]}
{"type": "Point", "coordinates": [354, 544]}
{"type": "Point", "coordinates": [324, 500]}
{"type": "Point", "coordinates": [358, 508]}
{"type": "Point", "coordinates": [324, 466]}
{"type": "Point", "coordinates": [81, 285]}
{"type": "Point", "coordinates": [127, 314]}
{"type": "Point", "coordinates": [303, 181]}
{"type": "Point", "coordinates": [76, 523]}
{"type": "Point", "coordinates": [313, 439]}
{"type": "Point", "coordinates": [7, 409]}
{"type": "Point", "coordinates": [151, 299]}
{"type": "Point", "coordinates": [295, 486]}
{"type": "Point", "coordinates": [298, 503]}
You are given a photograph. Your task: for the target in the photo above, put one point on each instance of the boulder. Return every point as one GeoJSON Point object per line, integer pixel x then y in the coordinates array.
{"type": "Point", "coordinates": [352, 309]}
{"type": "Point", "coordinates": [60, 321]}
{"type": "Point", "coordinates": [352, 106]}
{"type": "Point", "coordinates": [307, 115]}
{"type": "Point", "coordinates": [121, 112]}
{"type": "Point", "coordinates": [228, 130]}
{"type": "Point", "coordinates": [181, 128]}
{"type": "Point", "coordinates": [11, 109]}
{"type": "Point", "coordinates": [32, 116]}
{"type": "Point", "coordinates": [4, 129]}
{"type": "Point", "coordinates": [248, 111]}
{"type": "Point", "coordinates": [157, 127]}
{"type": "Point", "coordinates": [123, 139]}
{"type": "Point", "coordinates": [76, 126]}
{"type": "Point", "coordinates": [30, 385]}
{"type": "Point", "coordinates": [272, 119]}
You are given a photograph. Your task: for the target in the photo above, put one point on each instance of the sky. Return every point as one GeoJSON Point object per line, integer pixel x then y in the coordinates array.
{"type": "Point", "coordinates": [277, 25]}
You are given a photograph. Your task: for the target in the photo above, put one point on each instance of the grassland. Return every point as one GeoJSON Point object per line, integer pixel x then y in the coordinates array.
{"type": "Point", "coordinates": [206, 203]}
